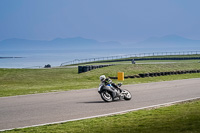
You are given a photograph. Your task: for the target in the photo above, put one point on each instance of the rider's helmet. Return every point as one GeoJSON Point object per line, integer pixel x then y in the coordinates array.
{"type": "Point", "coordinates": [102, 77]}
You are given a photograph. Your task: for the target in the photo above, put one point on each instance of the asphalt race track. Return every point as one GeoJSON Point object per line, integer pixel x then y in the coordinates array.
{"type": "Point", "coordinates": [36, 109]}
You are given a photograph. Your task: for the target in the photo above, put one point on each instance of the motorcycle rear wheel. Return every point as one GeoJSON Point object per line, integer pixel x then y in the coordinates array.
{"type": "Point", "coordinates": [106, 96]}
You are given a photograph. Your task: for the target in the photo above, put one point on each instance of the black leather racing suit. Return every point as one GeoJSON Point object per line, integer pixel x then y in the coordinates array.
{"type": "Point", "coordinates": [108, 81]}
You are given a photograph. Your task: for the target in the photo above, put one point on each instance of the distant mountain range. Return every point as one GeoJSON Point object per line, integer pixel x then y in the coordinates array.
{"type": "Point", "coordinates": [169, 41]}
{"type": "Point", "coordinates": [83, 43]}
{"type": "Point", "coordinates": [56, 44]}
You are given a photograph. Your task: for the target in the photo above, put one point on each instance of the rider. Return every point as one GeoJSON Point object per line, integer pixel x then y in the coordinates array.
{"type": "Point", "coordinates": [106, 81]}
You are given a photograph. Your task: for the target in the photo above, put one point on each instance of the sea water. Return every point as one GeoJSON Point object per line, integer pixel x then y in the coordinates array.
{"type": "Point", "coordinates": [40, 58]}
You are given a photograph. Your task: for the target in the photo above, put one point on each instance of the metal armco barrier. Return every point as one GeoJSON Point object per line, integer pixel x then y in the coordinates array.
{"type": "Point", "coordinates": [141, 59]}
{"type": "Point", "coordinates": [132, 56]}
{"type": "Point", "coordinates": [82, 69]}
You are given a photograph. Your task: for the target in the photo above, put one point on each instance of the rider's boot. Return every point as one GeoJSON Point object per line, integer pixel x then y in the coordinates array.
{"type": "Point", "coordinates": [120, 95]}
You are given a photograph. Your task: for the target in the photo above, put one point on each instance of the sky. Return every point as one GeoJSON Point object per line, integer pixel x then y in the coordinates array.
{"type": "Point", "coordinates": [102, 20]}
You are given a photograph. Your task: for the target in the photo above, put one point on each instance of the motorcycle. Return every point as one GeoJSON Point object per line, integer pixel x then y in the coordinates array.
{"type": "Point", "coordinates": [108, 96]}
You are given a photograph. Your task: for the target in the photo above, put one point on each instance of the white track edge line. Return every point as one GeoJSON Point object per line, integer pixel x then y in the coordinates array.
{"type": "Point", "coordinates": [109, 114]}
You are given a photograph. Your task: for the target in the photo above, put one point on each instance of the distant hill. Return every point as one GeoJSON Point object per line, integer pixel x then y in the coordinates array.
{"type": "Point", "coordinates": [83, 43]}
{"type": "Point", "coordinates": [169, 41]}
{"type": "Point", "coordinates": [58, 43]}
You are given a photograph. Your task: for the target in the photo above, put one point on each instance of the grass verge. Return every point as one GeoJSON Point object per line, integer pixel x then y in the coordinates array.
{"type": "Point", "coordinates": [31, 81]}
{"type": "Point", "coordinates": [179, 118]}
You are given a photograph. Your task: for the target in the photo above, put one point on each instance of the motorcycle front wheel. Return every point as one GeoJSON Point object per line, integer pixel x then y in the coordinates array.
{"type": "Point", "coordinates": [106, 96]}
{"type": "Point", "coordinates": [127, 95]}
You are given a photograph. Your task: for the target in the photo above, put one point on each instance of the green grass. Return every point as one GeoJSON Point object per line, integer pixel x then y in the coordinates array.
{"type": "Point", "coordinates": [31, 81]}
{"type": "Point", "coordinates": [179, 118]}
